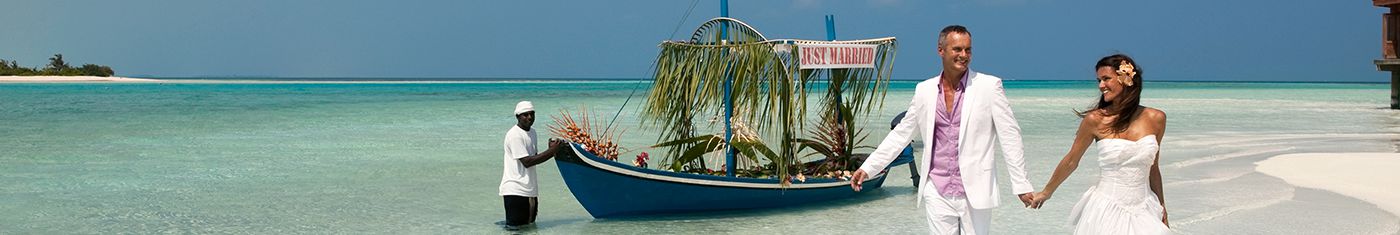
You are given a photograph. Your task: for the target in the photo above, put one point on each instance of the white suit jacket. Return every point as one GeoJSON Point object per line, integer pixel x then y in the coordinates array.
{"type": "Point", "coordinates": [986, 121]}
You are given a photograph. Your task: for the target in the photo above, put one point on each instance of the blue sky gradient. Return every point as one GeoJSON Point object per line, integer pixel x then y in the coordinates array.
{"type": "Point", "coordinates": [1197, 40]}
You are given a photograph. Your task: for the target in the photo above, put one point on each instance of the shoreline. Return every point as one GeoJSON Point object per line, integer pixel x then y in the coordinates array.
{"type": "Point", "coordinates": [62, 79]}
{"type": "Point", "coordinates": [114, 79]}
{"type": "Point", "coordinates": [1369, 177]}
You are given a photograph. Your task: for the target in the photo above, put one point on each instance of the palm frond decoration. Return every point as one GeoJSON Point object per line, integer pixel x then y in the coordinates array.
{"type": "Point", "coordinates": [835, 139]}
{"type": "Point", "coordinates": [745, 141]}
{"type": "Point", "coordinates": [764, 80]}
{"type": "Point", "coordinates": [595, 137]}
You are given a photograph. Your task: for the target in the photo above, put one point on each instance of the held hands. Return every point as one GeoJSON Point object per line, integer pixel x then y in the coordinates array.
{"type": "Point", "coordinates": [1027, 198]}
{"type": "Point", "coordinates": [1039, 199]}
{"type": "Point", "coordinates": [856, 179]}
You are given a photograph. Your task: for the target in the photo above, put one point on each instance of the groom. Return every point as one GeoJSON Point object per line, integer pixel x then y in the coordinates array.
{"type": "Point", "coordinates": [960, 113]}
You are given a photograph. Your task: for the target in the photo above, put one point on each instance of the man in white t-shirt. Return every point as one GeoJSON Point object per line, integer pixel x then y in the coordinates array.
{"type": "Point", "coordinates": [518, 179]}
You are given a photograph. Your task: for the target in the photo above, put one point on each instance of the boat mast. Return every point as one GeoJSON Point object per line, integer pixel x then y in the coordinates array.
{"type": "Point", "coordinates": [830, 75]}
{"type": "Point", "coordinates": [831, 27]}
{"type": "Point", "coordinates": [728, 101]}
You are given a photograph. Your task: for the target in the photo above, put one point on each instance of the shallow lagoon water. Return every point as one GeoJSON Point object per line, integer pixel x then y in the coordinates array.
{"type": "Point", "coordinates": [418, 158]}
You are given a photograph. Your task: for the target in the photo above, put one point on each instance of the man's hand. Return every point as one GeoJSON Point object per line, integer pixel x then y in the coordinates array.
{"type": "Point", "coordinates": [1038, 199]}
{"type": "Point", "coordinates": [555, 143]}
{"type": "Point", "coordinates": [1027, 198]}
{"type": "Point", "coordinates": [857, 179]}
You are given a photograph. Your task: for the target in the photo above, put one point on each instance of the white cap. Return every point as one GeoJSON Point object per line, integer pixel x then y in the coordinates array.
{"type": "Point", "coordinates": [524, 106]}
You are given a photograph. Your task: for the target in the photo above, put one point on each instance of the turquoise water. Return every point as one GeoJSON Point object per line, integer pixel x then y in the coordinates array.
{"type": "Point", "coordinates": [371, 157]}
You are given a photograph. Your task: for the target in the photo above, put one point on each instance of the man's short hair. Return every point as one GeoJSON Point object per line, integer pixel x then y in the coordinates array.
{"type": "Point", "coordinates": [943, 35]}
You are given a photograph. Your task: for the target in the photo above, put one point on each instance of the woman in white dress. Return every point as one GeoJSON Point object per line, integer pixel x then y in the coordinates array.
{"type": "Point", "coordinates": [1128, 196]}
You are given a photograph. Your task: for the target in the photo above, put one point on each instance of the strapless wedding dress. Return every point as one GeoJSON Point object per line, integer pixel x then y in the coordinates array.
{"type": "Point", "coordinates": [1122, 202]}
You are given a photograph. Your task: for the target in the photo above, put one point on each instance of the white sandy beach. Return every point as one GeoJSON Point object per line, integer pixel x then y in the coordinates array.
{"type": "Point", "coordinates": [1371, 177]}
{"type": "Point", "coordinates": [47, 79]}
{"type": "Point", "coordinates": [94, 79]}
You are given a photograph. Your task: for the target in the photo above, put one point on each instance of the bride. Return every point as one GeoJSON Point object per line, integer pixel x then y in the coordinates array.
{"type": "Point", "coordinates": [1128, 196]}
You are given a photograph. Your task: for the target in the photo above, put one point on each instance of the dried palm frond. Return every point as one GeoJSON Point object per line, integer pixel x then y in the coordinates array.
{"type": "Point", "coordinates": [582, 131]}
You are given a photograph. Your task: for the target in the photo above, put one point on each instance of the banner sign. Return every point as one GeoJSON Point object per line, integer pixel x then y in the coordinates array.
{"type": "Point", "coordinates": [836, 56]}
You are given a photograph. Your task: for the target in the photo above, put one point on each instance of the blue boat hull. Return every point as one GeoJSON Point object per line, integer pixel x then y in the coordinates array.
{"type": "Point", "coordinates": [611, 189]}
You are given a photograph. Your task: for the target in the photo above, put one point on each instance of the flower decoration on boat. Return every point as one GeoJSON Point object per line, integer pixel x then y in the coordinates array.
{"type": "Point", "coordinates": [641, 160]}
{"type": "Point", "coordinates": [1126, 72]}
{"type": "Point", "coordinates": [841, 175]}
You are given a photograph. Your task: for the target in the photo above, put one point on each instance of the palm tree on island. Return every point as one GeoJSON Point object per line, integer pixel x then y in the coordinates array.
{"type": "Point", "coordinates": [56, 67]}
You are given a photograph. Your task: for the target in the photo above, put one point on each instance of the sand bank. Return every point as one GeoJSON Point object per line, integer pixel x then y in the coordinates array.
{"type": "Point", "coordinates": [1371, 177]}
{"type": "Point", "coordinates": [49, 79]}
{"type": "Point", "coordinates": [92, 79]}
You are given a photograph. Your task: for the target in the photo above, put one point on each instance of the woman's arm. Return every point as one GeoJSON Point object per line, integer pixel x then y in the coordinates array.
{"type": "Point", "coordinates": [1155, 180]}
{"type": "Point", "coordinates": [1082, 138]}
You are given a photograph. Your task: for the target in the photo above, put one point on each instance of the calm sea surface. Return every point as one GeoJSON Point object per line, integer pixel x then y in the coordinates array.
{"type": "Point", "coordinates": [425, 158]}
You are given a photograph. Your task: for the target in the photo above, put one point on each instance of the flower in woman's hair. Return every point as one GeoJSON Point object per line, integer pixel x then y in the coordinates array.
{"type": "Point", "coordinates": [1126, 73]}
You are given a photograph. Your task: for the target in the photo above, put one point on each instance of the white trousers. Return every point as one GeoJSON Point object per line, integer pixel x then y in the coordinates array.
{"type": "Point", "coordinates": [953, 215]}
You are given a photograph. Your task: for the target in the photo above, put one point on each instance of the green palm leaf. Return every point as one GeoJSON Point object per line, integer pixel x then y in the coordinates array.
{"type": "Point", "coordinates": [689, 83]}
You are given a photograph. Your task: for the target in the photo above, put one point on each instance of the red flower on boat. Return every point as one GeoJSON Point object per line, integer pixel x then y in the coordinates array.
{"type": "Point", "coordinates": [641, 160]}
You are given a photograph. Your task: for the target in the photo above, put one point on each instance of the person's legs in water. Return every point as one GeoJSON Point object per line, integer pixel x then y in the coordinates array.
{"type": "Point", "coordinates": [518, 210]}
{"type": "Point", "coordinates": [534, 209]}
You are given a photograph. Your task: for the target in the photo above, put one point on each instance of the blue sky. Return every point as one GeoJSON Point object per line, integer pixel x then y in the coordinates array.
{"type": "Point", "coordinates": [1243, 40]}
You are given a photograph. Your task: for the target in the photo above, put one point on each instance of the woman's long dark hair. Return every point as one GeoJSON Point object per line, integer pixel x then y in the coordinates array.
{"type": "Point", "coordinates": [1127, 103]}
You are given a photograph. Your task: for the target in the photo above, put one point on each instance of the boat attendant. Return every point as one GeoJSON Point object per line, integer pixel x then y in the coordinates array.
{"type": "Point", "coordinates": [519, 187]}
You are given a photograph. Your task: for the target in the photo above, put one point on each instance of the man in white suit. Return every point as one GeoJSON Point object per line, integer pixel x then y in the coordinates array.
{"type": "Point", "coordinates": [960, 114]}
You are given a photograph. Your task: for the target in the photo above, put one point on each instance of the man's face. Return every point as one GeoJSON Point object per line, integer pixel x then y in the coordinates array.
{"type": "Point", "coordinates": [956, 51]}
{"type": "Point", "coordinates": [526, 119]}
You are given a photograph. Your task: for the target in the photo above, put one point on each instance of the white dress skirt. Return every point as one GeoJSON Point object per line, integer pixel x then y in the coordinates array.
{"type": "Point", "coordinates": [1122, 202]}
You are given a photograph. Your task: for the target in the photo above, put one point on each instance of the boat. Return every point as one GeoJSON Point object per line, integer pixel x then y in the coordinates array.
{"type": "Point", "coordinates": [610, 189]}
{"type": "Point", "coordinates": [772, 76]}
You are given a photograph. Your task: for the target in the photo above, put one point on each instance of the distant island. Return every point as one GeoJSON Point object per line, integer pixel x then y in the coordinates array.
{"type": "Point", "coordinates": [56, 67]}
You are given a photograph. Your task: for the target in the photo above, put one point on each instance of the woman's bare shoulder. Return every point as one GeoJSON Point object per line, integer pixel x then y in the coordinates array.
{"type": "Point", "coordinates": [1095, 120]}
{"type": "Point", "coordinates": [1156, 115]}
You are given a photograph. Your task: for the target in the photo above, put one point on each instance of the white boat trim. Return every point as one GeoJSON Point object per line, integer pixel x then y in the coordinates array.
{"type": "Point", "coordinates": [794, 185]}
